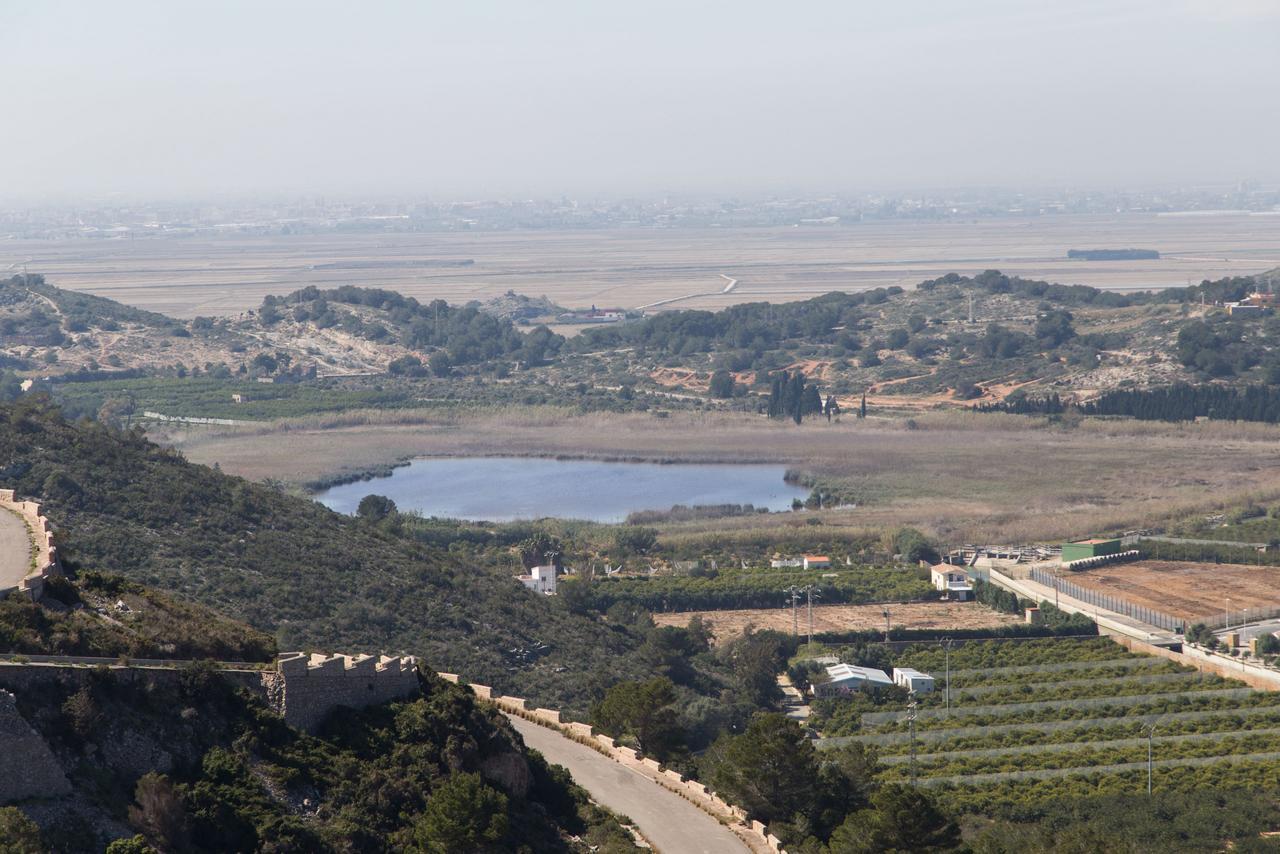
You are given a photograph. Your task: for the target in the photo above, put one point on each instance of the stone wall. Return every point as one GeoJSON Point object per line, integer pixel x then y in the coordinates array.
{"type": "Point", "coordinates": [28, 768]}
{"type": "Point", "coordinates": [46, 563]}
{"type": "Point", "coordinates": [305, 688]}
{"type": "Point", "coordinates": [753, 833]}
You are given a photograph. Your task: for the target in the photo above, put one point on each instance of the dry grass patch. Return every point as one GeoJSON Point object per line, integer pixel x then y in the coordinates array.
{"type": "Point", "coordinates": [726, 625]}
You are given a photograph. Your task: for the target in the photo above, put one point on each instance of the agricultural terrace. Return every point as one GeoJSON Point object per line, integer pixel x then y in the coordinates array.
{"type": "Point", "coordinates": [1183, 589]}
{"type": "Point", "coordinates": [725, 625]}
{"type": "Point", "coordinates": [1034, 721]}
{"type": "Point", "coordinates": [761, 588]}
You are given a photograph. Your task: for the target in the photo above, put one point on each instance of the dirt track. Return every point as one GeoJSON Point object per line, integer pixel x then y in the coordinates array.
{"type": "Point", "coordinates": [1187, 590]}
{"type": "Point", "coordinates": [844, 618]}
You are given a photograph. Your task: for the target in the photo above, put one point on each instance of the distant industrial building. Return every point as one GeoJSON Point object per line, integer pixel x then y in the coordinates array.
{"type": "Point", "coordinates": [594, 315]}
{"type": "Point", "coordinates": [1096, 547]}
{"type": "Point", "coordinates": [847, 678]}
{"type": "Point", "coordinates": [913, 680]}
{"type": "Point", "coordinates": [951, 580]}
{"type": "Point", "coordinates": [1244, 309]}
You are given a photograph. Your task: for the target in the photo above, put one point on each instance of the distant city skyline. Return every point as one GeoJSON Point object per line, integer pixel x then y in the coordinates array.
{"type": "Point", "coordinates": [502, 99]}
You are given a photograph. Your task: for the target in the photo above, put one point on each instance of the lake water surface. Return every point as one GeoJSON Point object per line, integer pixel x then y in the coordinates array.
{"type": "Point", "coordinates": [500, 489]}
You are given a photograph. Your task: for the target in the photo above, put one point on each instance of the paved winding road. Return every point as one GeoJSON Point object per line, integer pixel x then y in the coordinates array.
{"type": "Point", "coordinates": [15, 549]}
{"type": "Point", "coordinates": [669, 822]}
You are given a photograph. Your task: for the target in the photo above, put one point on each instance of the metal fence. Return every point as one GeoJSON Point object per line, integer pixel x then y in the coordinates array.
{"type": "Point", "coordinates": [1222, 619]}
{"type": "Point", "coordinates": [1115, 604]}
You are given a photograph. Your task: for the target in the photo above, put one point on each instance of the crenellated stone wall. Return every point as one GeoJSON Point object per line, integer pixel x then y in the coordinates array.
{"type": "Point", "coordinates": [46, 563]}
{"type": "Point", "coordinates": [306, 688]}
{"type": "Point", "coordinates": [752, 832]}
{"type": "Point", "coordinates": [28, 768]}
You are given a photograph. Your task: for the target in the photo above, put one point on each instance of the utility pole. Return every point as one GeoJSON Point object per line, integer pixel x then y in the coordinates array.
{"type": "Point", "coordinates": [946, 653]}
{"type": "Point", "coordinates": [811, 590]}
{"type": "Point", "coordinates": [911, 724]}
{"type": "Point", "coordinates": [794, 593]}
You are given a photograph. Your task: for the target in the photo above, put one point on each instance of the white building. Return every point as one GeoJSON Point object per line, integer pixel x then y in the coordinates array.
{"type": "Point", "coordinates": [913, 680]}
{"type": "Point", "coordinates": [847, 678]}
{"type": "Point", "coordinates": [951, 580]}
{"type": "Point", "coordinates": [817, 562]}
{"type": "Point", "coordinates": [541, 579]}
{"type": "Point", "coordinates": [786, 562]}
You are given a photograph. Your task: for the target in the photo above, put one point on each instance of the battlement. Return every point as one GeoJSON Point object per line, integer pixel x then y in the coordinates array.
{"type": "Point", "coordinates": [306, 687]}
{"type": "Point", "coordinates": [46, 559]}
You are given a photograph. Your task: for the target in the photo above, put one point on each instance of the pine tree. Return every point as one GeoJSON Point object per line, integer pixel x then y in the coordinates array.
{"type": "Point", "coordinates": [795, 397]}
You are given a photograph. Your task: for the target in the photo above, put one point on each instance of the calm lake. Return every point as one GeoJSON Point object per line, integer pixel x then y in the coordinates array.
{"type": "Point", "coordinates": [500, 489]}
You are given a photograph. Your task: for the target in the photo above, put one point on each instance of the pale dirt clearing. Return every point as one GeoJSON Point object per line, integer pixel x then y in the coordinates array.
{"type": "Point", "coordinates": [1183, 589]}
{"type": "Point", "coordinates": [726, 625]}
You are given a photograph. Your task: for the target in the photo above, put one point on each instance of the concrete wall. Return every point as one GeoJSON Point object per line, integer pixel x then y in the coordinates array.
{"type": "Point", "coordinates": [46, 563]}
{"type": "Point", "coordinates": [306, 688]}
{"type": "Point", "coordinates": [1252, 675]}
{"type": "Point", "coordinates": [28, 768]}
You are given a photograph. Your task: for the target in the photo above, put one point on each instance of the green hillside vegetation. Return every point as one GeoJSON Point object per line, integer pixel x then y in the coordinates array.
{"type": "Point", "coordinates": [104, 615]}
{"type": "Point", "coordinates": [1051, 337]}
{"type": "Point", "coordinates": [209, 769]}
{"type": "Point", "coordinates": [289, 566]}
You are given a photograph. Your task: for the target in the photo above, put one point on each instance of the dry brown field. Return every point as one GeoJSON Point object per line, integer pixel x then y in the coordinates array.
{"type": "Point", "coordinates": [962, 476]}
{"type": "Point", "coordinates": [726, 625]}
{"type": "Point", "coordinates": [636, 267]}
{"type": "Point", "coordinates": [1187, 590]}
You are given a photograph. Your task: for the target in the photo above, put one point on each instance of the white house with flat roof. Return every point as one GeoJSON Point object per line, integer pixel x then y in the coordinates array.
{"type": "Point", "coordinates": [541, 579]}
{"type": "Point", "coordinates": [913, 680]}
{"type": "Point", "coordinates": [846, 678]}
{"type": "Point", "coordinates": [953, 581]}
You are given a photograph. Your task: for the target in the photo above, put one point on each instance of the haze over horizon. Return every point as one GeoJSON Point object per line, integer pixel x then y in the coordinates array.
{"type": "Point", "coordinates": [505, 98]}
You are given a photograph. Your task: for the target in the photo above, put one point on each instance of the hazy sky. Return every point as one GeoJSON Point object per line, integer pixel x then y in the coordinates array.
{"type": "Point", "coordinates": [476, 98]}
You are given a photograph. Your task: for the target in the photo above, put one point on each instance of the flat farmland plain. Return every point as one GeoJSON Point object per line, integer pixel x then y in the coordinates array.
{"type": "Point", "coordinates": [632, 268]}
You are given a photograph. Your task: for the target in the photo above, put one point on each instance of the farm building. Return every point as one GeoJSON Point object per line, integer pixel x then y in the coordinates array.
{"type": "Point", "coordinates": [913, 680]}
{"type": "Point", "coordinates": [541, 579]}
{"type": "Point", "coordinates": [847, 678]}
{"type": "Point", "coordinates": [817, 562]}
{"type": "Point", "coordinates": [951, 580]}
{"type": "Point", "coordinates": [1082, 549]}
